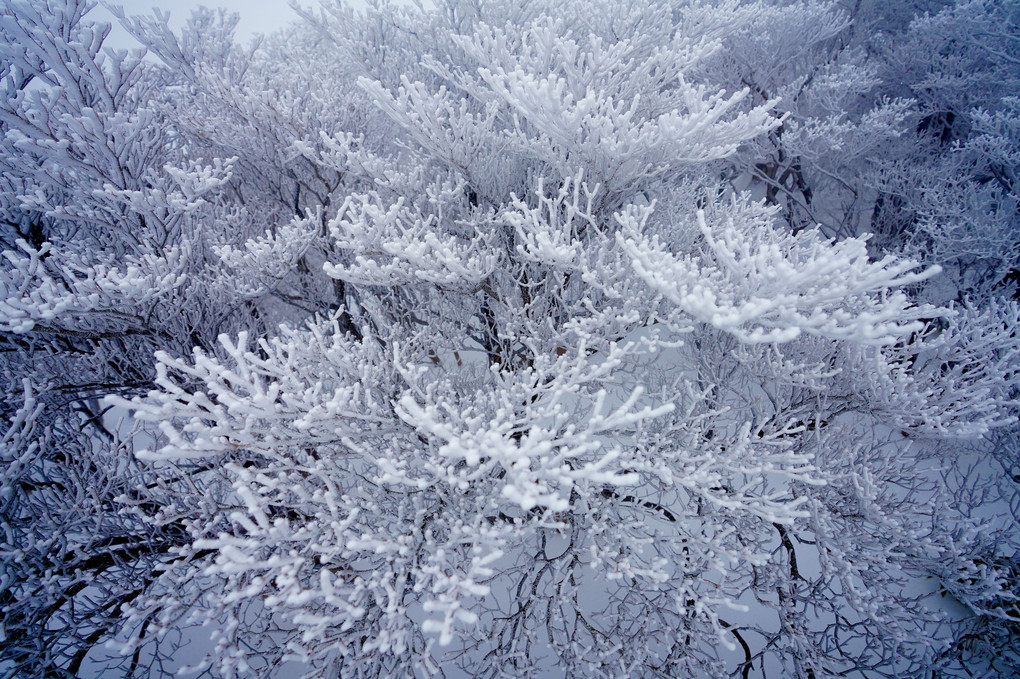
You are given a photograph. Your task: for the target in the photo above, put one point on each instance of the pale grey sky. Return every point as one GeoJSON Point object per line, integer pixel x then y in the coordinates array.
{"type": "Point", "coordinates": [257, 16]}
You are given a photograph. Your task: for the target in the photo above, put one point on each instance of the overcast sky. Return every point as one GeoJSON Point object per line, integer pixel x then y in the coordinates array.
{"type": "Point", "coordinates": [257, 16]}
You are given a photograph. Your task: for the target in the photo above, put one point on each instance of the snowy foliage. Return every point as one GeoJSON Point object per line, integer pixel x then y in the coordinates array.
{"type": "Point", "coordinates": [512, 339]}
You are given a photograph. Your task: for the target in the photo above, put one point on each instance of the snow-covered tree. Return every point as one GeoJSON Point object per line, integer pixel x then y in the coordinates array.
{"type": "Point", "coordinates": [506, 339]}
{"type": "Point", "coordinates": [111, 224]}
